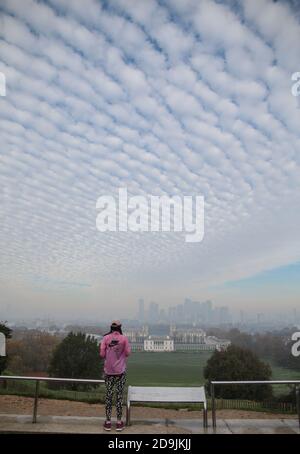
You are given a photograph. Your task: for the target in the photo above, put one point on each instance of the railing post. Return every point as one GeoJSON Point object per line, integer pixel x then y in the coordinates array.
{"type": "Point", "coordinates": [205, 420]}
{"type": "Point", "coordinates": [128, 406]}
{"type": "Point", "coordinates": [213, 406]}
{"type": "Point", "coordinates": [36, 396]}
{"type": "Point", "coordinates": [298, 402]}
{"type": "Point", "coordinates": [128, 413]}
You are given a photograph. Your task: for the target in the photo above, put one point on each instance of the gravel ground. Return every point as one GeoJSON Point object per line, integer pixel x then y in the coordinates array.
{"type": "Point", "coordinates": [23, 406]}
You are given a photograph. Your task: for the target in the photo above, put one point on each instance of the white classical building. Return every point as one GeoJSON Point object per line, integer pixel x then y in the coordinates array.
{"type": "Point", "coordinates": [216, 343]}
{"type": "Point", "coordinates": [179, 339]}
{"type": "Point", "coordinates": [96, 337]}
{"type": "Point", "coordinates": [159, 344]}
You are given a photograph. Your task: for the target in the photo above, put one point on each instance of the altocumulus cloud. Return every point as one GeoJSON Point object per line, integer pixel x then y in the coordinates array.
{"type": "Point", "coordinates": [174, 98]}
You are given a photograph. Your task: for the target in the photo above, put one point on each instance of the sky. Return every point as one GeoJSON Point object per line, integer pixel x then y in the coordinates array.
{"type": "Point", "coordinates": [158, 97]}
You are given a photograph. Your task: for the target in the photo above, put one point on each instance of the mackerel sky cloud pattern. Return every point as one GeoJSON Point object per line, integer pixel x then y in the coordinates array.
{"type": "Point", "coordinates": [174, 97]}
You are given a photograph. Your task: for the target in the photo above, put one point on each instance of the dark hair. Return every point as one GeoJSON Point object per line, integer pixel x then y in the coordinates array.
{"type": "Point", "coordinates": [114, 328]}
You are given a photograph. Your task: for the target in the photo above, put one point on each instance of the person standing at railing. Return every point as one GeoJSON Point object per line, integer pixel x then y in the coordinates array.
{"type": "Point", "coordinates": [115, 349]}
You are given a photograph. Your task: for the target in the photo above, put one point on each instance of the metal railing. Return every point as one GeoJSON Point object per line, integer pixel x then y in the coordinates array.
{"type": "Point", "coordinates": [46, 379]}
{"type": "Point", "coordinates": [295, 383]}
{"type": "Point", "coordinates": [37, 380]}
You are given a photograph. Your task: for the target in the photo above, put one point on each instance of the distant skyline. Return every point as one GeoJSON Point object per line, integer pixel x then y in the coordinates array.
{"type": "Point", "coordinates": [161, 98]}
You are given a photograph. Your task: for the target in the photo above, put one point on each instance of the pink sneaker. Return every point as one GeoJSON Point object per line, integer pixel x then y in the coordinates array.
{"type": "Point", "coordinates": [120, 426]}
{"type": "Point", "coordinates": [107, 425]}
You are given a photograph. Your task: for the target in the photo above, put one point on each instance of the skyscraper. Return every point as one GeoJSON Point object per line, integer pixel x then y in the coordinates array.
{"type": "Point", "coordinates": [141, 310]}
{"type": "Point", "coordinates": [153, 312]}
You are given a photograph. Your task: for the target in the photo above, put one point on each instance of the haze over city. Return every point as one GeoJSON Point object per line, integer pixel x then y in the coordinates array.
{"type": "Point", "coordinates": [163, 98]}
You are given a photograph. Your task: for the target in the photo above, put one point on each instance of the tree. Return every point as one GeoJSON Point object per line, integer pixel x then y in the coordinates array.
{"type": "Point", "coordinates": [285, 357]}
{"type": "Point", "coordinates": [32, 352]}
{"type": "Point", "coordinates": [77, 356]}
{"type": "Point", "coordinates": [237, 363]}
{"type": "Point", "coordinates": [15, 352]}
{"type": "Point", "coordinates": [7, 333]}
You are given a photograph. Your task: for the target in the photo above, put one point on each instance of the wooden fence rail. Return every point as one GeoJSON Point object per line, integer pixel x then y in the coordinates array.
{"type": "Point", "coordinates": [237, 404]}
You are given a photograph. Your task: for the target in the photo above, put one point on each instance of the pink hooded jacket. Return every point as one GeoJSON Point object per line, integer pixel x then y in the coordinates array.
{"type": "Point", "coordinates": [114, 348]}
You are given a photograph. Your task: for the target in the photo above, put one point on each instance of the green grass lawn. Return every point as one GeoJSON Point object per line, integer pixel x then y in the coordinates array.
{"type": "Point", "coordinates": [152, 369]}
{"type": "Point", "coordinates": [282, 373]}
{"type": "Point", "coordinates": [167, 369]}
{"type": "Point", "coordinates": [186, 369]}
{"type": "Point", "coordinates": [144, 368]}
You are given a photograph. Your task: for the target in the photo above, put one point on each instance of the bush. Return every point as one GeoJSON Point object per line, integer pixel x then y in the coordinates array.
{"type": "Point", "coordinates": [77, 356]}
{"type": "Point", "coordinates": [238, 364]}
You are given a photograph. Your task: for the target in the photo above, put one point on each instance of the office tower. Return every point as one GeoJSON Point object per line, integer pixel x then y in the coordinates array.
{"type": "Point", "coordinates": [180, 313]}
{"type": "Point", "coordinates": [153, 312]}
{"type": "Point", "coordinates": [162, 315]}
{"type": "Point", "coordinates": [224, 314]}
{"type": "Point", "coordinates": [172, 314]}
{"type": "Point", "coordinates": [188, 310]}
{"type": "Point", "coordinates": [206, 311]}
{"type": "Point", "coordinates": [141, 310]}
{"type": "Point", "coordinates": [259, 318]}
{"type": "Point", "coordinates": [295, 316]}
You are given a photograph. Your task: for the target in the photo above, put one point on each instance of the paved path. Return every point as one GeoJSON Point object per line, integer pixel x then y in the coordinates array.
{"type": "Point", "coordinates": [80, 424]}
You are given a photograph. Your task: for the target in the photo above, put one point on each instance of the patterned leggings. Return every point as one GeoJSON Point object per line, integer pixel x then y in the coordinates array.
{"type": "Point", "coordinates": [110, 382]}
